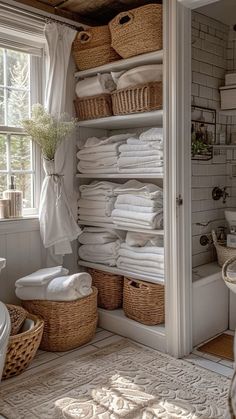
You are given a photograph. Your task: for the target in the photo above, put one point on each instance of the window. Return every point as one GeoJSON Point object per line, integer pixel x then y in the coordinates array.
{"type": "Point", "coordinates": [20, 79]}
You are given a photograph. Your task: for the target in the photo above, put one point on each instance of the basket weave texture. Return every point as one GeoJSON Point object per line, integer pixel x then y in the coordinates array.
{"type": "Point", "coordinates": [110, 289]}
{"type": "Point", "coordinates": [223, 252]}
{"type": "Point", "coordinates": [137, 31]}
{"type": "Point", "coordinates": [17, 316]}
{"type": "Point", "coordinates": [22, 348]}
{"type": "Point", "coordinates": [144, 302]}
{"type": "Point", "coordinates": [141, 98]}
{"type": "Point", "coordinates": [92, 48]}
{"type": "Point", "coordinates": [69, 324]}
{"type": "Point", "coordinates": [93, 107]}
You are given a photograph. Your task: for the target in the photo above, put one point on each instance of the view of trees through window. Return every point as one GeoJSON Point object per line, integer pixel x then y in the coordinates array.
{"type": "Point", "coordinates": [15, 148]}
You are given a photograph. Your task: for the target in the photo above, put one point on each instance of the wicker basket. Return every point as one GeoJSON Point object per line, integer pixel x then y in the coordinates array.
{"type": "Point", "coordinates": [69, 324]}
{"type": "Point", "coordinates": [144, 302]}
{"type": "Point", "coordinates": [140, 98]}
{"type": "Point", "coordinates": [93, 107]}
{"type": "Point", "coordinates": [17, 316]}
{"type": "Point", "coordinates": [110, 289]}
{"type": "Point", "coordinates": [223, 252]}
{"type": "Point", "coordinates": [92, 48]}
{"type": "Point", "coordinates": [22, 348]}
{"type": "Point", "coordinates": [137, 31]}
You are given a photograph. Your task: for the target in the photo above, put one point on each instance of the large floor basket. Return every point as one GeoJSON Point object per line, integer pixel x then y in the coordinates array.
{"type": "Point", "coordinates": [69, 324]}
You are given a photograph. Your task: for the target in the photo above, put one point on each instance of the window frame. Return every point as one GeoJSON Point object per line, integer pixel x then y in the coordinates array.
{"type": "Point", "coordinates": [36, 49]}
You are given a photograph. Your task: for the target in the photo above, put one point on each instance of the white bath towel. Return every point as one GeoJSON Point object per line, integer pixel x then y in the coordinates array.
{"type": "Point", "coordinates": [97, 189]}
{"type": "Point", "coordinates": [97, 156]}
{"type": "Point", "coordinates": [41, 277]}
{"type": "Point", "coordinates": [106, 254]}
{"type": "Point", "coordinates": [96, 219]}
{"type": "Point", "coordinates": [147, 144]}
{"type": "Point", "coordinates": [143, 169]}
{"type": "Point", "coordinates": [134, 239]}
{"type": "Point", "coordinates": [152, 134]}
{"type": "Point", "coordinates": [153, 253]}
{"type": "Point", "coordinates": [146, 210]}
{"type": "Point", "coordinates": [150, 220]}
{"type": "Point", "coordinates": [137, 224]}
{"type": "Point", "coordinates": [98, 170]}
{"type": "Point", "coordinates": [96, 85]}
{"type": "Point", "coordinates": [106, 161]}
{"type": "Point", "coordinates": [64, 288]}
{"type": "Point", "coordinates": [139, 200]}
{"type": "Point", "coordinates": [114, 147]}
{"type": "Point", "coordinates": [134, 187]}
{"type": "Point", "coordinates": [139, 75]}
{"type": "Point", "coordinates": [129, 265]}
{"type": "Point", "coordinates": [93, 141]}
{"type": "Point", "coordinates": [97, 212]}
{"type": "Point", "coordinates": [142, 153]}
{"type": "Point", "coordinates": [140, 161]}
{"type": "Point", "coordinates": [101, 237]}
{"type": "Point", "coordinates": [106, 205]}
{"type": "Point", "coordinates": [156, 264]}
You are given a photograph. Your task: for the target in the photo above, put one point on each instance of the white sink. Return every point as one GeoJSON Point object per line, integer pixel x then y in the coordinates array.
{"type": "Point", "coordinates": [2, 263]}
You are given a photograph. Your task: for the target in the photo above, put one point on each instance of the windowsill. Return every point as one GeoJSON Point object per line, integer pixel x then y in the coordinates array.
{"type": "Point", "coordinates": [17, 225]}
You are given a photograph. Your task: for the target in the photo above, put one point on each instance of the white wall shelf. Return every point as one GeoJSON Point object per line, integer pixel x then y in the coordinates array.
{"type": "Point", "coordinates": [136, 120]}
{"type": "Point", "coordinates": [117, 322]}
{"type": "Point", "coordinates": [155, 57]}
{"type": "Point", "coordinates": [114, 226]}
{"type": "Point", "coordinates": [118, 176]}
{"type": "Point", "coordinates": [116, 271]}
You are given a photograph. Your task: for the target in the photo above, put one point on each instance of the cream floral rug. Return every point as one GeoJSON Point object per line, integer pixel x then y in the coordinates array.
{"type": "Point", "coordinates": [123, 380]}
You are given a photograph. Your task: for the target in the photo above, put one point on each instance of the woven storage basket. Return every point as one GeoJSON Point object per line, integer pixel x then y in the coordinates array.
{"type": "Point", "coordinates": [67, 324]}
{"type": "Point", "coordinates": [110, 289]}
{"type": "Point", "coordinates": [92, 48]}
{"type": "Point", "coordinates": [22, 348]}
{"type": "Point", "coordinates": [144, 302]}
{"type": "Point", "coordinates": [137, 31]}
{"type": "Point", "coordinates": [93, 107]}
{"type": "Point", "coordinates": [223, 252]}
{"type": "Point", "coordinates": [140, 98]}
{"type": "Point", "coordinates": [17, 316]}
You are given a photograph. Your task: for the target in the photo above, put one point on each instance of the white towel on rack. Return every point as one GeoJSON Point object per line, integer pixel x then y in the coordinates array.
{"type": "Point", "coordinates": [93, 141]}
{"type": "Point", "coordinates": [142, 251]}
{"type": "Point", "coordinates": [114, 147]}
{"type": "Point", "coordinates": [99, 170]}
{"type": "Point", "coordinates": [152, 134]}
{"type": "Point", "coordinates": [96, 85]}
{"type": "Point", "coordinates": [146, 210]}
{"type": "Point", "coordinates": [144, 153]}
{"type": "Point", "coordinates": [97, 189]}
{"type": "Point", "coordinates": [152, 220]}
{"type": "Point", "coordinates": [102, 236]}
{"type": "Point", "coordinates": [97, 156]}
{"type": "Point", "coordinates": [106, 254]}
{"type": "Point", "coordinates": [137, 240]}
{"type": "Point", "coordinates": [139, 200]}
{"type": "Point", "coordinates": [142, 170]}
{"type": "Point", "coordinates": [129, 265]}
{"type": "Point", "coordinates": [41, 277]}
{"type": "Point", "coordinates": [106, 205]}
{"type": "Point", "coordinates": [106, 161]}
{"type": "Point", "coordinates": [140, 161]}
{"type": "Point", "coordinates": [147, 190]}
{"type": "Point", "coordinates": [141, 261]}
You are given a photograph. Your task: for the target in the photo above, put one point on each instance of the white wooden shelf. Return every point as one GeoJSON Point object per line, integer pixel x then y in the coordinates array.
{"type": "Point", "coordinates": [116, 227]}
{"type": "Point", "coordinates": [155, 57]}
{"type": "Point", "coordinates": [118, 176]}
{"type": "Point", "coordinates": [116, 321]}
{"type": "Point", "coordinates": [148, 278]}
{"type": "Point", "coordinates": [136, 120]}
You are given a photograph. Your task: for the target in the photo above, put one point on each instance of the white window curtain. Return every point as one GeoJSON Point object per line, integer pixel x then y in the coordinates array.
{"type": "Point", "coordinates": [57, 222]}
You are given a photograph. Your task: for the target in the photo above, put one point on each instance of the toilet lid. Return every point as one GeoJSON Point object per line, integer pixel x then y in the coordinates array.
{"type": "Point", "coordinates": [3, 318]}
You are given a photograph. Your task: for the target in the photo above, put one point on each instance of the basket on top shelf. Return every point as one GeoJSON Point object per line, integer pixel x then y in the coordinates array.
{"type": "Point", "coordinates": [110, 289]}
{"type": "Point", "coordinates": [92, 48]}
{"type": "Point", "coordinates": [68, 324]}
{"type": "Point", "coordinates": [137, 31]}
{"type": "Point", "coordinates": [22, 347]}
{"type": "Point", "coordinates": [93, 107]}
{"type": "Point", "coordinates": [140, 98]}
{"type": "Point", "coordinates": [223, 252]}
{"type": "Point", "coordinates": [144, 302]}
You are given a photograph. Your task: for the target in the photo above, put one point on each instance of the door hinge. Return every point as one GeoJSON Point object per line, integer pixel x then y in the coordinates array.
{"type": "Point", "coordinates": [179, 200]}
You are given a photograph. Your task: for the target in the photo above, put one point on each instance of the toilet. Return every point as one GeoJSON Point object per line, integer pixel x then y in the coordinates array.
{"type": "Point", "coordinates": [5, 327]}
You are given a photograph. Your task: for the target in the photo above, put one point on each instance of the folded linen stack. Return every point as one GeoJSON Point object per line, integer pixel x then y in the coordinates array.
{"type": "Point", "coordinates": [142, 254]}
{"type": "Point", "coordinates": [100, 155]}
{"type": "Point", "coordinates": [54, 284]}
{"type": "Point", "coordinates": [138, 205]}
{"type": "Point", "coordinates": [96, 85]}
{"type": "Point", "coordinates": [143, 155]}
{"type": "Point", "coordinates": [99, 245]}
{"type": "Point", "coordinates": [97, 201]}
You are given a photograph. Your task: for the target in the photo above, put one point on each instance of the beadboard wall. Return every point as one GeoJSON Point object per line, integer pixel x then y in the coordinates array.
{"type": "Point", "coordinates": [213, 52]}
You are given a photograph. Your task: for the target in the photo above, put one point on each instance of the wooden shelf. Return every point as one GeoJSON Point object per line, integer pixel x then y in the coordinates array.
{"type": "Point", "coordinates": [118, 176]}
{"type": "Point", "coordinates": [114, 226]}
{"type": "Point", "coordinates": [136, 120]}
{"type": "Point", "coordinates": [155, 57]}
{"type": "Point", "coordinates": [116, 321]}
{"type": "Point", "coordinates": [148, 278]}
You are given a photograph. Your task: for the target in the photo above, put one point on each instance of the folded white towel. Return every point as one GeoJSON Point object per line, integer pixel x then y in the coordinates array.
{"type": "Point", "coordinates": [139, 75]}
{"type": "Point", "coordinates": [142, 169]}
{"type": "Point", "coordinates": [137, 161]}
{"type": "Point", "coordinates": [100, 253]}
{"type": "Point", "coordinates": [96, 212]}
{"type": "Point", "coordinates": [96, 85]}
{"type": "Point", "coordinates": [41, 277]}
{"type": "Point", "coordinates": [106, 205]}
{"type": "Point", "coordinates": [129, 265]}
{"type": "Point", "coordinates": [148, 144]}
{"type": "Point", "coordinates": [98, 188]}
{"type": "Point", "coordinates": [127, 207]}
{"type": "Point", "coordinates": [147, 190]}
{"type": "Point", "coordinates": [64, 288]}
{"type": "Point", "coordinates": [142, 153]}
{"type": "Point", "coordinates": [151, 220]}
{"type": "Point", "coordinates": [97, 156]}
{"type": "Point", "coordinates": [93, 141]}
{"type": "Point", "coordinates": [140, 201]}
{"type": "Point", "coordinates": [101, 237]}
{"type": "Point", "coordinates": [113, 147]}
{"type": "Point", "coordinates": [153, 253]}
{"type": "Point", "coordinates": [98, 170]}
{"type": "Point", "coordinates": [156, 264]}
{"type": "Point", "coordinates": [140, 240]}
{"type": "Point", "coordinates": [152, 134]}
{"type": "Point", "coordinates": [105, 162]}
{"type": "Point", "coordinates": [96, 219]}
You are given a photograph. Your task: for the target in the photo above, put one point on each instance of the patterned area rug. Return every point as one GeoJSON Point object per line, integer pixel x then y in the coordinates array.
{"type": "Point", "coordinates": [123, 380]}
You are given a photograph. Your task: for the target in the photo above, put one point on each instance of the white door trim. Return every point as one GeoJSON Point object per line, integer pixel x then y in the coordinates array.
{"type": "Point", "coordinates": [177, 119]}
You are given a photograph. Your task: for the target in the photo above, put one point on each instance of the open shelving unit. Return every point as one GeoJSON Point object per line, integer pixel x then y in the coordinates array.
{"type": "Point", "coordinates": [115, 320]}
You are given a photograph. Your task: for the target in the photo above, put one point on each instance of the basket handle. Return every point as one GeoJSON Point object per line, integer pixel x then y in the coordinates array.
{"type": "Point", "coordinates": [125, 18]}
{"type": "Point", "coordinates": [137, 284]}
{"type": "Point", "coordinates": [84, 37]}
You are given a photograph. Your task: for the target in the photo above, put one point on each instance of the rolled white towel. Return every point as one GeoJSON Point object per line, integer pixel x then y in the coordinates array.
{"type": "Point", "coordinates": [96, 85]}
{"type": "Point", "coordinates": [64, 288]}
{"type": "Point", "coordinates": [41, 277]}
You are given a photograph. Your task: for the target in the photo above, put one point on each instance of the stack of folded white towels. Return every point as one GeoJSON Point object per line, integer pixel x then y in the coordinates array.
{"type": "Point", "coordinates": [143, 154]}
{"type": "Point", "coordinates": [100, 155]}
{"type": "Point", "coordinates": [99, 245]}
{"type": "Point", "coordinates": [54, 284]}
{"type": "Point", "coordinates": [97, 202]}
{"type": "Point", "coordinates": [138, 205]}
{"type": "Point", "coordinates": [142, 254]}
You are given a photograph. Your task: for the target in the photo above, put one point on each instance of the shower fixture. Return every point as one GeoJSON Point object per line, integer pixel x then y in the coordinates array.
{"type": "Point", "coordinates": [218, 193]}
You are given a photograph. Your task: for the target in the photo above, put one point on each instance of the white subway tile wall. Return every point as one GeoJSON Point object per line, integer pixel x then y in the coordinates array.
{"type": "Point", "coordinates": [213, 55]}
